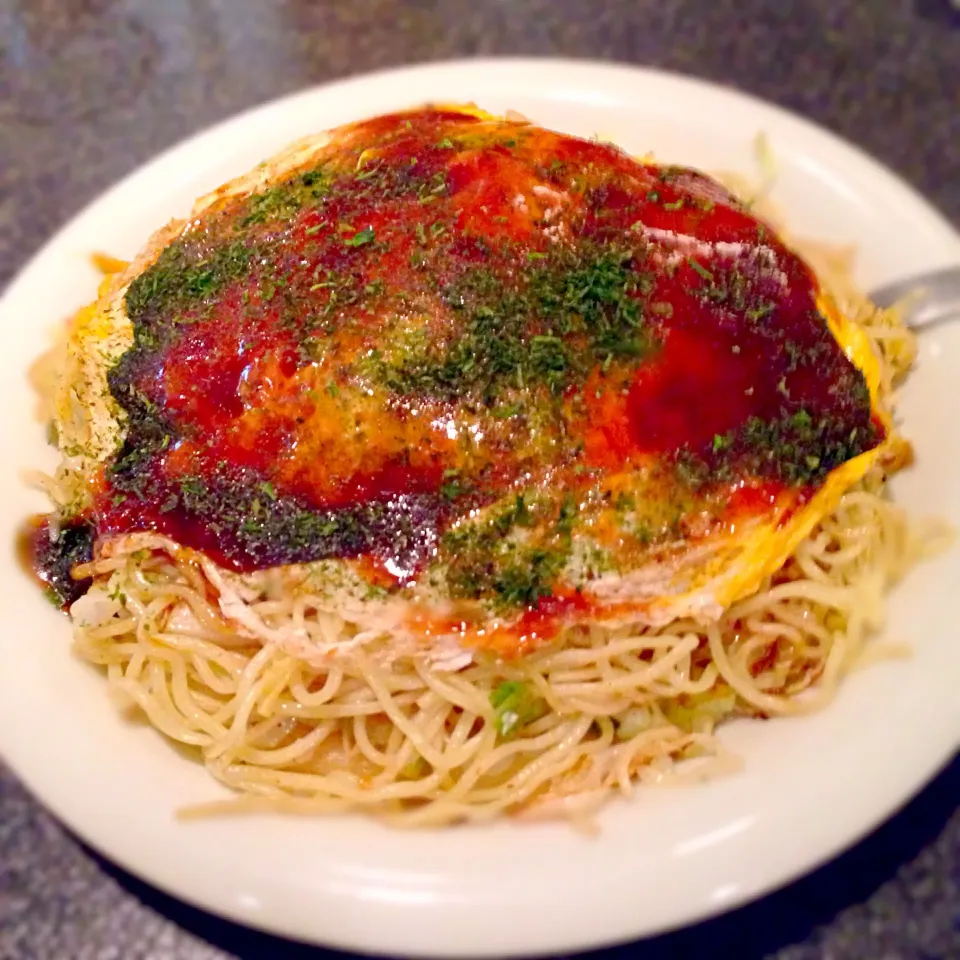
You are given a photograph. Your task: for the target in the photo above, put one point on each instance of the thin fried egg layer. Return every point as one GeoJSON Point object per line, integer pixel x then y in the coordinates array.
{"type": "Point", "coordinates": [492, 377]}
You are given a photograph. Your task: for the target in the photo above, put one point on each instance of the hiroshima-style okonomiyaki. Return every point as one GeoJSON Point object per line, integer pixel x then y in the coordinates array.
{"type": "Point", "coordinates": [446, 466]}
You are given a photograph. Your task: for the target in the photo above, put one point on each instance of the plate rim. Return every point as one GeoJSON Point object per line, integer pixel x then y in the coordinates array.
{"type": "Point", "coordinates": [597, 69]}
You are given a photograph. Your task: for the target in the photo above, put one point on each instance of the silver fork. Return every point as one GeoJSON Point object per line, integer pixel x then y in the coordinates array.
{"type": "Point", "coordinates": [934, 297]}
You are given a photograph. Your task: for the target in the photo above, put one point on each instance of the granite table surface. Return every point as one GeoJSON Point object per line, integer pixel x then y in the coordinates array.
{"type": "Point", "coordinates": [90, 89]}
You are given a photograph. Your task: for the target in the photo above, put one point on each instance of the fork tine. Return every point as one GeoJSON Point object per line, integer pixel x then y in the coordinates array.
{"type": "Point", "coordinates": [934, 297]}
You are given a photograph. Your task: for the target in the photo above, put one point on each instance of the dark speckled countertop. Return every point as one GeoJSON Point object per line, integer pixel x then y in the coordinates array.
{"type": "Point", "coordinates": [89, 89]}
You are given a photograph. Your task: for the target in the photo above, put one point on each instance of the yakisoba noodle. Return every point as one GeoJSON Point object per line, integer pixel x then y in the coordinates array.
{"type": "Point", "coordinates": [300, 703]}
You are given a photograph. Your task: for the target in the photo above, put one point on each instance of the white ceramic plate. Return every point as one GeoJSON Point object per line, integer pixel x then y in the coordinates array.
{"type": "Point", "coordinates": [810, 787]}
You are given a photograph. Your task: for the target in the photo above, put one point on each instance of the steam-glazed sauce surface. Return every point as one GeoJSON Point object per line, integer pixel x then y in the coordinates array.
{"type": "Point", "coordinates": [477, 354]}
